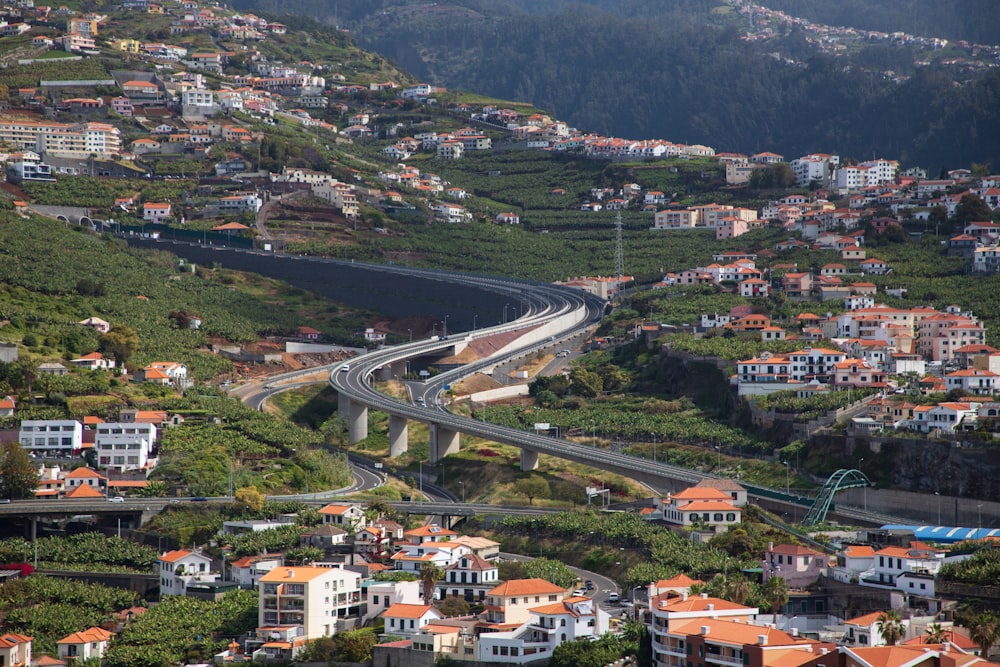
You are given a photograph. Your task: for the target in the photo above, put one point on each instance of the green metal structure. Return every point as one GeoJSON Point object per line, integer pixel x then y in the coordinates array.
{"type": "Point", "coordinates": [842, 479]}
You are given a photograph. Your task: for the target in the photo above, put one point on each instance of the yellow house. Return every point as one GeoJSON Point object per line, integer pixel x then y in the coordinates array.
{"type": "Point", "coordinates": [129, 45]}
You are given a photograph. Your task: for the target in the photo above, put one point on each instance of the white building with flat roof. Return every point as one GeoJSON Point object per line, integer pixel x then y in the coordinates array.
{"type": "Point", "coordinates": [123, 447]}
{"type": "Point", "coordinates": [51, 437]}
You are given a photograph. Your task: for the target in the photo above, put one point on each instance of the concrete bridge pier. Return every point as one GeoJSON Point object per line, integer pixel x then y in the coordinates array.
{"type": "Point", "coordinates": [357, 421]}
{"type": "Point", "coordinates": [529, 460]}
{"type": "Point", "coordinates": [444, 441]}
{"type": "Point", "coordinates": [398, 435]}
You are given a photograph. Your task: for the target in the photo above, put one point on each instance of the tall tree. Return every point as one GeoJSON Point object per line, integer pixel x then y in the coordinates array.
{"type": "Point", "coordinates": [891, 627]}
{"type": "Point", "coordinates": [532, 486]}
{"type": "Point", "coordinates": [18, 477]}
{"type": "Point", "coordinates": [120, 342]}
{"type": "Point", "coordinates": [984, 629]}
{"type": "Point", "coordinates": [971, 208]}
{"type": "Point", "coordinates": [737, 589]}
{"type": "Point", "coordinates": [775, 591]}
{"type": "Point", "coordinates": [430, 574]}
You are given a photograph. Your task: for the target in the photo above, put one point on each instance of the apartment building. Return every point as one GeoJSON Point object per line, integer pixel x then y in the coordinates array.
{"type": "Point", "coordinates": [309, 597]}
{"type": "Point", "coordinates": [51, 437]}
{"type": "Point", "coordinates": [80, 140]}
{"type": "Point", "coordinates": [122, 447]}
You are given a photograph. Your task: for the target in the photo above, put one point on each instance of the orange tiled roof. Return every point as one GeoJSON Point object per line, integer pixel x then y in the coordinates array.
{"type": "Point", "coordinates": [400, 610]}
{"type": "Point", "coordinates": [525, 587]}
{"type": "Point", "coordinates": [94, 634]}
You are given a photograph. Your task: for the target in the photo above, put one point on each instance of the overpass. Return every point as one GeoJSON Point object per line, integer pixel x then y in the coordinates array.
{"type": "Point", "coordinates": [556, 313]}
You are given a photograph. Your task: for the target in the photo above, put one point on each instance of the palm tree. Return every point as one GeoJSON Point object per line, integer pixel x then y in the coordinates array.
{"type": "Point", "coordinates": [891, 627]}
{"type": "Point", "coordinates": [737, 589]}
{"type": "Point", "coordinates": [984, 629]}
{"type": "Point", "coordinates": [429, 576]}
{"type": "Point", "coordinates": [935, 634]}
{"type": "Point", "coordinates": [775, 591]}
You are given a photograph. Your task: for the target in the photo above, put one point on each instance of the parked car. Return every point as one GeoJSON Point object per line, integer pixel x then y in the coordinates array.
{"type": "Point", "coordinates": [579, 593]}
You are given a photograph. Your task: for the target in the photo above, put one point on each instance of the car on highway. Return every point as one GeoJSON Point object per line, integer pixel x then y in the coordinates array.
{"type": "Point", "coordinates": [589, 585]}
{"type": "Point", "coordinates": [613, 598]}
{"type": "Point", "coordinates": [628, 603]}
{"type": "Point", "coordinates": [4, 501]}
{"type": "Point", "coordinates": [116, 499]}
{"type": "Point", "coordinates": [199, 499]}
{"type": "Point", "coordinates": [345, 368]}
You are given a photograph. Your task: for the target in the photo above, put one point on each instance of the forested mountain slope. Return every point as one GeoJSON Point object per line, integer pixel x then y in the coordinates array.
{"type": "Point", "coordinates": [683, 71]}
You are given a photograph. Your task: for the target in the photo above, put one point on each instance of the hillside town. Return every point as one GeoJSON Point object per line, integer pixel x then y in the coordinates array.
{"type": "Point", "coordinates": [190, 124]}
{"type": "Point", "coordinates": [524, 620]}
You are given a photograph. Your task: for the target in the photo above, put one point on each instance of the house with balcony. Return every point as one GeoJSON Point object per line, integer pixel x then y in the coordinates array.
{"type": "Point", "coordinates": [413, 557]}
{"type": "Point", "coordinates": [85, 645]}
{"type": "Point", "coordinates": [429, 533]}
{"type": "Point", "coordinates": [891, 563]}
{"type": "Point", "coordinates": [181, 567]}
{"type": "Point", "coordinates": [973, 381]}
{"type": "Point", "coordinates": [725, 643]}
{"type": "Point", "coordinates": [702, 506]}
{"type": "Point", "coordinates": [548, 626]}
{"type": "Point", "coordinates": [669, 611]}
{"type": "Point", "coordinates": [308, 597]}
{"type": "Point", "coordinates": [511, 602]}
{"type": "Point", "coordinates": [947, 417]}
{"type": "Point", "coordinates": [469, 578]}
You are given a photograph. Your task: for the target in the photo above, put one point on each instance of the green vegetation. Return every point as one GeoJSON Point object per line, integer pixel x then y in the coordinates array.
{"type": "Point", "coordinates": [550, 570]}
{"type": "Point", "coordinates": [94, 551]}
{"type": "Point", "coordinates": [653, 552]}
{"type": "Point", "coordinates": [48, 608]}
{"type": "Point", "coordinates": [181, 628]}
{"type": "Point", "coordinates": [633, 419]}
{"type": "Point", "coordinates": [982, 569]}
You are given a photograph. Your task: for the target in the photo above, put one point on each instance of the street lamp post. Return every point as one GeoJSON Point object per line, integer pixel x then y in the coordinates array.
{"type": "Point", "coordinates": [939, 506]}
{"type": "Point", "coordinates": [979, 506]}
{"type": "Point", "coordinates": [410, 331]}
{"type": "Point", "coordinates": [462, 484]}
{"type": "Point", "coordinates": [474, 318]}
{"type": "Point", "coordinates": [445, 330]}
{"type": "Point", "coordinates": [865, 492]}
{"type": "Point", "coordinates": [654, 448]}
{"type": "Point", "coordinates": [421, 479]}
{"type": "Point", "coordinates": [505, 312]}
{"type": "Point", "coordinates": [718, 450]}
{"type": "Point", "coordinates": [593, 427]}
{"type": "Point", "coordinates": [787, 478]}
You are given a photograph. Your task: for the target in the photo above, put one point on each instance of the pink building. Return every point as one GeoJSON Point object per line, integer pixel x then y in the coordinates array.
{"type": "Point", "coordinates": [799, 566]}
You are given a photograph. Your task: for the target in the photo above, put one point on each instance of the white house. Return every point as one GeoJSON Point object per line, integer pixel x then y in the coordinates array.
{"type": "Point", "coordinates": [548, 626]}
{"type": "Point", "coordinates": [863, 630]}
{"type": "Point", "coordinates": [179, 568]}
{"type": "Point", "coordinates": [407, 619]}
{"type": "Point", "coordinates": [247, 571]}
{"type": "Point", "coordinates": [380, 595]}
{"type": "Point", "coordinates": [85, 645]}
{"type": "Point", "coordinates": [973, 381]}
